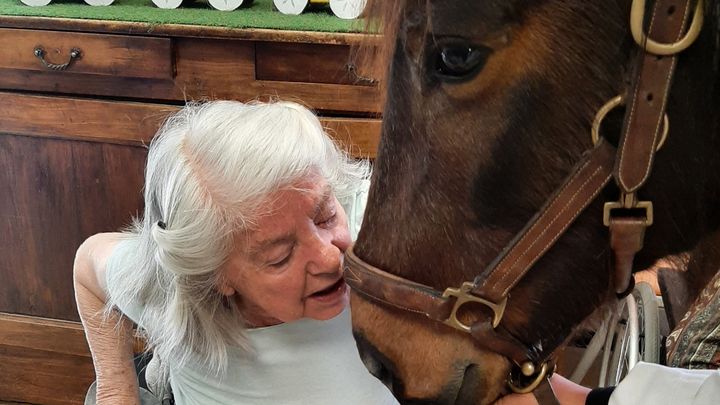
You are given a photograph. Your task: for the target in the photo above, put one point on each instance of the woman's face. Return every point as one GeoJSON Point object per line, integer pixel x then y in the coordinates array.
{"type": "Point", "coordinates": [290, 266]}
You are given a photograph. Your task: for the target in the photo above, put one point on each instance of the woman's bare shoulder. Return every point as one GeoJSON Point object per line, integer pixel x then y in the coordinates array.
{"type": "Point", "coordinates": [91, 259]}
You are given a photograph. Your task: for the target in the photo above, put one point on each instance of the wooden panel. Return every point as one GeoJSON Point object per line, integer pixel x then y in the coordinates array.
{"type": "Point", "coordinates": [113, 55]}
{"type": "Point", "coordinates": [358, 136]}
{"type": "Point", "coordinates": [44, 361]}
{"type": "Point", "coordinates": [40, 377]}
{"type": "Point", "coordinates": [320, 96]}
{"type": "Point", "coordinates": [106, 121]}
{"type": "Point", "coordinates": [136, 123]}
{"type": "Point", "coordinates": [57, 193]}
{"type": "Point", "coordinates": [38, 333]}
{"type": "Point", "coordinates": [72, 83]}
{"type": "Point", "coordinates": [214, 69]}
{"type": "Point", "coordinates": [302, 63]}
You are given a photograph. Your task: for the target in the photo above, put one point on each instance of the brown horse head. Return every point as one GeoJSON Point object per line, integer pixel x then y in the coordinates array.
{"type": "Point", "coordinates": [489, 106]}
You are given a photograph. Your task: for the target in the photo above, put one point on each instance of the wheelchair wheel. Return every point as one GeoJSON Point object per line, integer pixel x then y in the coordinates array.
{"type": "Point", "coordinates": [633, 335]}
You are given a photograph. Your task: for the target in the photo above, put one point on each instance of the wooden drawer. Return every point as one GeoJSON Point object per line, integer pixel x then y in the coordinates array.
{"type": "Point", "coordinates": [308, 63]}
{"type": "Point", "coordinates": [105, 55]}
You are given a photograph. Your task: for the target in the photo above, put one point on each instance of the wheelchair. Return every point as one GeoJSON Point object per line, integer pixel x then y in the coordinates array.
{"type": "Point", "coordinates": [633, 332]}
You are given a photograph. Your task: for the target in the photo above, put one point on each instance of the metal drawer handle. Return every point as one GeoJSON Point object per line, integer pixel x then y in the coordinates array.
{"type": "Point", "coordinates": [39, 52]}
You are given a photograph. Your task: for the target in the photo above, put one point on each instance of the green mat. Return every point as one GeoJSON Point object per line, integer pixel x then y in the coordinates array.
{"type": "Point", "coordinates": [259, 14]}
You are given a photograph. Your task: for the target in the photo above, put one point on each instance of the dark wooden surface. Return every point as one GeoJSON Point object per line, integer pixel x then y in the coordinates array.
{"type": "Point", "coordinates": [83, 119]}
{"type": "Point", "coordinates": [44, 361]}
{"type": "Point", "coordinates": [58, 193]}
{"type": "Point", "coordinates": [284, 61]}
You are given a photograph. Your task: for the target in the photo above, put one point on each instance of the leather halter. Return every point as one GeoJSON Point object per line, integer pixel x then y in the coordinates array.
{"type": "Point", "coordinates": [630, 165]}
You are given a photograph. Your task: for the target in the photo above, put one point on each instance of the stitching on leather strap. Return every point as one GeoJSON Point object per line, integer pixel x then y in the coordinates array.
{"type": "Point", "coordinates": [562, 231]}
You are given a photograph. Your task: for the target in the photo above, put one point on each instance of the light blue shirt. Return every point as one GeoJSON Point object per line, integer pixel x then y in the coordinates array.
{"type": "Point", "coordinates": [302, 362]}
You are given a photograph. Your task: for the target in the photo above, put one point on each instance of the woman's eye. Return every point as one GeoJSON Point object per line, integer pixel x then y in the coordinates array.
{"type": "Point", "coordinates": [328, 221]}
{"type": "Point", "coordinates": [280, 262]}
{"type": "Point", "coordinates": [459, 61]}
{"type": "Point", "coordinates": [327, 216]}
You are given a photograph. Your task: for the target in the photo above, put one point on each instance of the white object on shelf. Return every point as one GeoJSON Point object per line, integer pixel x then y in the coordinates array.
{"type": "Point", "coordinates": [293, 7]}
{"type": "Point", "coordinates": [36, 3]}
{"type": "Point", "coordinates": [348, 9]}
{"type": "Point", "coordinates": [168, 4]}
{"type": "Point", "coordinates": [225, 5]}
{"type": "Point", "coordinates": [99, 2]}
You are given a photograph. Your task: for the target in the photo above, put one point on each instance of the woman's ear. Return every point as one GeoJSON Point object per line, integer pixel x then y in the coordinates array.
{"type": "Point", "coordinates": [224, 287]}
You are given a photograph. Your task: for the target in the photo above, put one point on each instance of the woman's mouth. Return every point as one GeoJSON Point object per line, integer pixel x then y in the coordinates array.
{"type": "Point", "coordinates": [330, 293]}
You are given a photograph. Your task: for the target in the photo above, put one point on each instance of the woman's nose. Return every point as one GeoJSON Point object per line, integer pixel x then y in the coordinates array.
{"type": "Point", "coordinates": [327, 258]}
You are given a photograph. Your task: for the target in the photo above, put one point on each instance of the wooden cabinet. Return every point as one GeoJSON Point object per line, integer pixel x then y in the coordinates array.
{"type": "Point", "coordinates": [73, 132]}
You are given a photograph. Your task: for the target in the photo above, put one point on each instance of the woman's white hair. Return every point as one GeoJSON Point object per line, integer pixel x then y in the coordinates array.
{"type": "Point", "coordinates": [210, 168]}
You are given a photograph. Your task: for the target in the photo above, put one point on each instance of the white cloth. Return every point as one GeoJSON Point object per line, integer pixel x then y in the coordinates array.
{"type": "Point", "coordinates": [355, 208]}
{"type": "Point", "coordinates": [659, 385]}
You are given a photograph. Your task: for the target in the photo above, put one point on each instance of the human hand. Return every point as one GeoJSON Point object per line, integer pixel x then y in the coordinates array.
{"type": "Point", "coordinates": [566, 391]}
{"type": "Point", "coordinates": [517, 399]}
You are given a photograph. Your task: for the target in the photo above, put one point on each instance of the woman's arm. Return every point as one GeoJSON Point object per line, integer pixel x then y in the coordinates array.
{"type": "Point", "coordinates": [110, 338]}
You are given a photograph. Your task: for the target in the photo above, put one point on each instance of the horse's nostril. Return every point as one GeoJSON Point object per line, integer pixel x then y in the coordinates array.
{"type": "Point", "coordinates": [378, 365]}
{"type": "Point", "coordinates": [468, 393]}
{"type": "Point", "coordinates": [378, 369]}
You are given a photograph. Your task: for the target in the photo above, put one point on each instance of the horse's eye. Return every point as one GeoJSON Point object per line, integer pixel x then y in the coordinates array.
{"type": "Point", "coordinates": [457, 62]}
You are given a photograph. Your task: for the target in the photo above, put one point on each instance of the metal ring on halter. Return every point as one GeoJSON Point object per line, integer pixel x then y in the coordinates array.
{"type": "Point", "coordinates": [544, 370]}
{"type": "Point", "coordinates": [614, 102]}
{"type": "Point", "coordinates": [637, 15]}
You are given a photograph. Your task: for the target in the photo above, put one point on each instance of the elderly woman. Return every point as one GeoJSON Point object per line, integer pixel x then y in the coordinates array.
{"type": "Point", "coordinates": [234, 273]}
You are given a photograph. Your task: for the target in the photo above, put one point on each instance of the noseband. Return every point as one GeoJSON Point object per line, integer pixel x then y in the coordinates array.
{"type": "Point", "coordinates": [644, 130]}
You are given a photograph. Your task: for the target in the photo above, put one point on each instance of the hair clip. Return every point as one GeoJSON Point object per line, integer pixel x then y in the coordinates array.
{"type": "Point", "coordinates": [162, 225]}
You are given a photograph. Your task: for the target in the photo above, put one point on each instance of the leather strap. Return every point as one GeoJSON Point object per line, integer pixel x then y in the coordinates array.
{"type": "Point", "coordinates": [541, 233]}
{"type": "Point", "coordinates": [394, 291]}
{"type": "Point", "coordinates": [495, 340]}
{"type": "Point", "coordinates": [544, 393]}
{"type": "Point", "coordinates": [626, 239]}
{"type": "Point", "coordinates": [646, 104]}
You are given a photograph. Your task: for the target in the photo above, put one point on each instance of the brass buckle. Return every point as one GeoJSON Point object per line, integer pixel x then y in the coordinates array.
{"type": "Point", "coordinates": [463, 296]}
{"type": "Point", "coordinates": [628, 201]}
{"type": "Point", "coordinates": [637, 15]}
